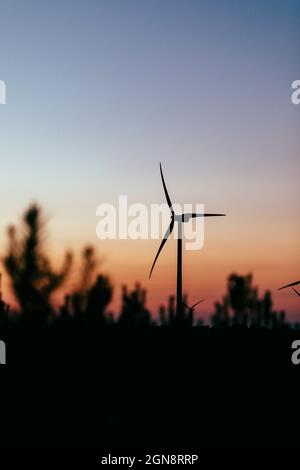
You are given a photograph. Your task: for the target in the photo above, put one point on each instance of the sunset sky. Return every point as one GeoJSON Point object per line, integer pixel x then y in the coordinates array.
{"type": "Point", "coordinates": [99, 92]}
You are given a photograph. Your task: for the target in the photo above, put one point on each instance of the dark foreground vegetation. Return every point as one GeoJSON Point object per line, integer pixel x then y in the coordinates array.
{"type": "Point", "coordinates": [77, 388]}
{"type": "Point", "coordinates": [78, 379]}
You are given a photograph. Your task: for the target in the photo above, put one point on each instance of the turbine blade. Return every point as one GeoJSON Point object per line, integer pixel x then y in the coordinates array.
{"type": "Point", "coordinates": [186, 305]}
{"type": "Point", "coordinates": [165, 189]}
{"type": "Point", "coordinates": [166, 236]}
{"type": "Point", "coordinates": [298, 293]}
{"type": "Point", "coordinates": [193, 306]}
{"type": "Point", "coordinates": [205, 215]}
{"type": "Point", "coordinates": [290, 285]}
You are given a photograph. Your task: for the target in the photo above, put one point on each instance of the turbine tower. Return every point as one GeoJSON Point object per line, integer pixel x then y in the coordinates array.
{"type": "Point", "coordinates": [179, 219]}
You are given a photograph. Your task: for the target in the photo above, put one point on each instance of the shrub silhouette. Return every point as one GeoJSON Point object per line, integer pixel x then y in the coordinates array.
{"type": "Point", "coordinates": [92, 296]}
{"type": "Point", "coordinates": [79, 297]}
{"type": "Point", "coordinates": [32, 277]}
{"type": "Point", "coordinates": [99, 296]}
{"type": "Point", "coordinates": [134, 312]}
{"type": "Point", "coordinates": [240, 296]}
{"type": "Point", "coordinates": [241, 306]}
{"type": "Point", "coordinates": [4, 308]}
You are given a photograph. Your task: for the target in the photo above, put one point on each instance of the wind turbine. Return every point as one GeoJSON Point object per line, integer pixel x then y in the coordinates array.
{"type": "Point", "coordinates": [179, 219]}
{"type": "Point", "coordinates": [291, 285]}
{"type": "Point", "coordinates": [191, 309]}
{"type": "Point", "coordinates": [193, 306]}
{"type": "Point", "coordinates": [298, 293]}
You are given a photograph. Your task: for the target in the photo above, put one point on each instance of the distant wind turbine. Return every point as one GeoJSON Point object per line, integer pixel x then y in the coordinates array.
{"type": "Point", "coordinates": [179, 219]}
{"type": "Point", "coordinates": [191, 311]}
{"type": "Point", "coordinates": [193, 306]}
{"type": "Point", "coordinates": [290, 285]}
{"type": "Point", "coordinates": [298, 293]}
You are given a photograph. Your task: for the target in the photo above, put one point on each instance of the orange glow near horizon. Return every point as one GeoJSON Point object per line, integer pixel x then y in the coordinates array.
{"type": "Point", "coordinates": [226, 250]}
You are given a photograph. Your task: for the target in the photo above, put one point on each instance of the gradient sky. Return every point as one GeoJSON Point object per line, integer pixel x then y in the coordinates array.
{"type": "Point", "coordinates": [99, 92]}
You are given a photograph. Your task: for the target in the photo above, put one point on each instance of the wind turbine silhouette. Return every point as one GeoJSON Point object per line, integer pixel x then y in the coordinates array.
{"type": "Point", "coordinates": [291, 285]}
{"type": "Point", "coordinates": [191, 310]}
{"type": "Point", "coordinates": [193, 306]}
{"type": "Point", "coordinates": [179, 219]}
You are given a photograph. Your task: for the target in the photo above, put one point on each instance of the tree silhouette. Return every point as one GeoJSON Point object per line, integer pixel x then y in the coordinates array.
{"type": "Point", "coordinates": [221, 316]}
{"type": "Point", "coordinates": [92, 296]}
{"type": "Point", "coordinates": [240, 295]}
{"type": "Point", "coordinates": [267, 308]}
{"type": "Point", "coordinates": [79, 297]}
{"type": "Point", "coordinates": [171, 310]}
{"type": "Point", "coordinates": [4, 308]}
{"type": "Point", "coordinates": [99, 296]}
{"type": "Point", "coordinates": [241, 306]}
{"type": "Point", "coordinates": [134, 312]}
{"type": "Point", "coordinates": [32, 277]}
{"type": "Point", "coordinates": [162, 316]}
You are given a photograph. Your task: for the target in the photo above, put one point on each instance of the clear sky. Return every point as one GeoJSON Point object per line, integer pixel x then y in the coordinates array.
{"type": "Point", "coordinates": [99, 92]}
